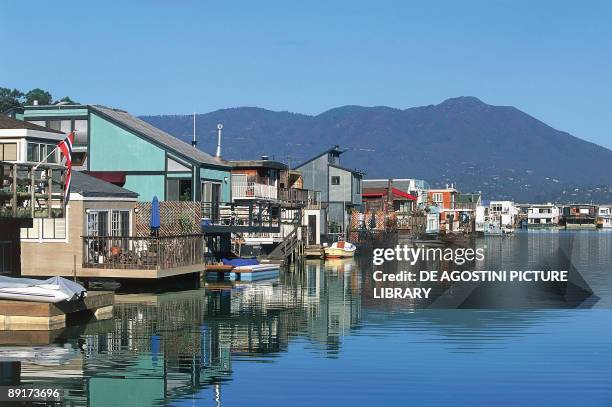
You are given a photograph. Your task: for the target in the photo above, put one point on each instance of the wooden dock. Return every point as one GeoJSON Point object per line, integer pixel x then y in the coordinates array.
{"type": "Point", "coordinates": [313, 252]}
{"type": "Point", "coordinates": [41, 316]}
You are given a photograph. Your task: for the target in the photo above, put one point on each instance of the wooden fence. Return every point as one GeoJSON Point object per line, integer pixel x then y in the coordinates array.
{"type": "Point", "coordinates": [176, 218]}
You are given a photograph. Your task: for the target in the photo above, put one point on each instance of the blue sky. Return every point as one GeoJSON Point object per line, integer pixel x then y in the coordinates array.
{"type": "Point", "coordinates": [552, 59]}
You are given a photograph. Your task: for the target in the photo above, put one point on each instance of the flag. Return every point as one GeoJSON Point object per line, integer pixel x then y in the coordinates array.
{"type": "Point", "coordinates": [65, 147]}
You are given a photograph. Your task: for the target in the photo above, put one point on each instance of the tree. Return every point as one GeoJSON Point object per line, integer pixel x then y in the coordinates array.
{"type": "Point", "coordinates": [66, 99]}
{"type": "Point", "coordinates": [10, 98]}
{"type": "Point", "coordinates": [42, 96]}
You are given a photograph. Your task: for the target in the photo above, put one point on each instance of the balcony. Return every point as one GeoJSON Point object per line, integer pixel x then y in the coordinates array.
{"type": "Point", "coordinates": [253, 190]}
{"type": "Point", "coordinates": [251, 217]}
{"type": "Point", "coordinates": [294, 196]}
{"type": "Point", "coordinates": [142, 257]}
{"type": "Point", "coordinates": [29, 192]}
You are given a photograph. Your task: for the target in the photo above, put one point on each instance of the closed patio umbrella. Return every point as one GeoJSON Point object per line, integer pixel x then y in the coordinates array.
{"type": "Point", "coordinates": [155, 220]}
{"type": "Point", "coordinates": [373, 221]}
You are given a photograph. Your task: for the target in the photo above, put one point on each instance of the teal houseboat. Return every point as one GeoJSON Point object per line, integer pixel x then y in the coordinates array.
{"type": "Point", "coordinates": [115, 146]}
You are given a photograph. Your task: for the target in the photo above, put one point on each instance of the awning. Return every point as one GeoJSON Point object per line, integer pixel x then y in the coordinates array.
{"type": "Point", "coordinates": [396, 192]}
{"type": "Point", "coordinates": [403, 194]}
{"type": "Point", "coordinates": [114, 177]}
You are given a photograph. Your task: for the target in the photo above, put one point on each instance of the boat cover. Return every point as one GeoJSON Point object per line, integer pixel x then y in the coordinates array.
{"type": "Point", "coordinates": [73, 291]}
{"type": "Point", "coordinates": [239, 261]}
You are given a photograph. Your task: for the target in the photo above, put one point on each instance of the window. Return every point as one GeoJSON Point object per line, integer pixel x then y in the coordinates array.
{"type": "Point", "coordinates": [79, 158]}
{"type": "Point", "coordinates": [335, 180]}
{"type": "Point", "coordinates": [54, 124]}
{"type": "Point", "coordinates": [357, 186]}
{"type": "Point", "coordinates": [82, 135]}
{"type": "Point", "coordinates": [38, 152]}
{"type": "Point", "coordinates": [436, 197]}
{"type": "Point", "coordinates": [97, 223]}
{"type": "Point", "coordinates": [33, 152]}
{"type": "Point", "coordinates": [46, 229]}
{"type": "Point", "coordinates": [66, 126]}
{"type": "Point", "coordinates": [120, 223]}
{"type": "Point", "coordinates": [178, 190]}
{"type": "Point", "coordinates": [211, 197]}
{"type": "Point", "coordinates": [53, 157]}
{"type": "Point", "coordinates": [8, 151]}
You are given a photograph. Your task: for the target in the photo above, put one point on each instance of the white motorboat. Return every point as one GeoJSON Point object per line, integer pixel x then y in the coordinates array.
{"type": "Point", "coordinates": [52, 290]}
{"type": "Point", "coordinates": [340, 250]}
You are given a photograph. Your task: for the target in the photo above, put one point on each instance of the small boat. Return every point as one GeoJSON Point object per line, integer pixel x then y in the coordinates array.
{"type": "Point", "coordinates": [340, 250]}
{"type": "Point", "coordinates": [242, 269]}
{"type": "Point", "coordinates": [52, 290]}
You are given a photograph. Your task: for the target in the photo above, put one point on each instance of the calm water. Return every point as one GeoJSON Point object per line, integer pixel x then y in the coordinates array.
{"type": "Point", "coordinates": [316, 336]}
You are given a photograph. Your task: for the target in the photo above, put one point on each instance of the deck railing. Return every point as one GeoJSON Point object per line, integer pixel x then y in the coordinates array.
{"type": "Point", "coordinates": [295, 196]}
{"type": "Point", "coordinates": [252, 214]}
{"type": "Point", "coordinates": [133, 252]}
{"type": "Point", "coordinates": [254, 190]}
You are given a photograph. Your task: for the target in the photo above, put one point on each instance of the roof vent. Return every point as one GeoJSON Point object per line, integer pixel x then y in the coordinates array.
{"type": "Point", "coordinates": [35, 102]}
{"type": "Point", "coordinates": [265, 158]}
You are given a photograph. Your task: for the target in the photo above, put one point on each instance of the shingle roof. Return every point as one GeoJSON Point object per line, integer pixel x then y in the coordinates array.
{"type": "Point", "coordinates": [147, 130]}
{"type": "Point", "coordinates": [8, 123]}
{"type": "Point", "coordinates": [89, 186]}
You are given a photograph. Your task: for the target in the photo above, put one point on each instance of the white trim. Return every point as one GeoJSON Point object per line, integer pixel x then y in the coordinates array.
{"type": "Point", "coordinates": [109, 224]}
{"type": "Point", "coordinates": [75, 196]}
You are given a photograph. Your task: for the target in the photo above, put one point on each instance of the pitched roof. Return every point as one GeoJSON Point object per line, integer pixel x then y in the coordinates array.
{"type": "Point", "coordinates": [335, 148]}
{"type": "Point", "coordinates": [354, 171]}
{"type": "Point", "coordinates": [401, 185]}
{"type": "Point", "coordinates": [151, 132]}
{"type": "Point", "coordinates": [8, 123]}
{"type": "Point", "coordinates": [258, 164]}
{"type": "Point", "coordinates": [89, 186]}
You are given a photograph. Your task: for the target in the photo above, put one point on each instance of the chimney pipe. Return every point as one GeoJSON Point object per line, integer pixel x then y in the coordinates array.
{"type": "Point", "coordinates": [219, 128]}
{"type": "Point", "coordinates": [194, 142]}
{"type": "Point", "coordinates": [35, 102]}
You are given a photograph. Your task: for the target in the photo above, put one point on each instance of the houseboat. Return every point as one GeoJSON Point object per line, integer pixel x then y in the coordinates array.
{"type": "Point", "coordinates": [542, 216]}
{"type": "Point", "coordinates": [604, 216]}
{"type": "Point", "coordinates": [582, 216]}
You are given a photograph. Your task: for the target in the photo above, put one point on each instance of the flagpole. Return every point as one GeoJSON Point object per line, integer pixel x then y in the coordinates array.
{"type": "Point", "coordinates": [49, 155]}
{"type": "Point", "coordinates": [44, 159]}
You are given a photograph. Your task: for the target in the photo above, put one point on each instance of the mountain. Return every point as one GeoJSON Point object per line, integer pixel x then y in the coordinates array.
{"type": "Point", "coordinates": [499, 150]}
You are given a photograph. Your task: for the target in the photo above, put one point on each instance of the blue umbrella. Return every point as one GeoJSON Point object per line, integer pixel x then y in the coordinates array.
{"type": "Point", "coordinates": [155, 222]}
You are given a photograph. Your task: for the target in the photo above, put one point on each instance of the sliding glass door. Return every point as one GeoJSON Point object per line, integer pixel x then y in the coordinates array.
{"type": "Point", "coordinates": [211, 198]}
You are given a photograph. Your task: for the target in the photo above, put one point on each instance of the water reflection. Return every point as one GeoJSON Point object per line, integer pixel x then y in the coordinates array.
{"type": "Point", "coordinates": [317, 319]}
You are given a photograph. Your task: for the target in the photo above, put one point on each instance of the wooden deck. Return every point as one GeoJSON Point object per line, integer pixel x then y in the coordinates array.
{"type": "Point", "coordinates": [36, 316]}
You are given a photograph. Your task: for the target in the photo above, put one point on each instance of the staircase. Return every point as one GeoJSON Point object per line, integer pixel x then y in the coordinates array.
{"type": "Point", "coordinates": [290, 246]}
